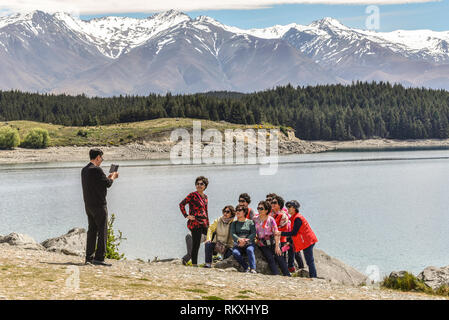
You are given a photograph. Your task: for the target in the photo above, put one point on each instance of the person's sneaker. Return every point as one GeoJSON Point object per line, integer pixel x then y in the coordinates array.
{"type": "Point", "coordinates": [88, 262]}
{"type": "Point", "coordinates": [207, 265]}
{"type": "Point", "coordinates": [292, 269]}
{"type": "Point", "coordinates": [253, 271]}
{"type": "Point", "coordinates": [101, 263]}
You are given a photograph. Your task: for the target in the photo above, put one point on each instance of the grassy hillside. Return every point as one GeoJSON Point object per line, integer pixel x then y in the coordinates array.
{"type": "Point", "coordinates": [118, 134]}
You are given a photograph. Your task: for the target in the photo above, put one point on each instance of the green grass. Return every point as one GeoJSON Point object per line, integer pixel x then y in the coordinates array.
{"type": "Point", "coordinates": [246, 291]}
{"type": "Point", "coordinates": [196, 290]}
{"type": "Point", "coordinates": [409, 282]}
{"type": "Point", "coordinates": [118, 134]}
{"type": "Point", "coordinates": [212, 298]}
{"type": "Point", "coordinates": [242, 297]}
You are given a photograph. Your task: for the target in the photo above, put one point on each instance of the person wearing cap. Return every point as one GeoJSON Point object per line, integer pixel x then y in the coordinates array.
{"type": "Point", "coordinates": [303, 237]}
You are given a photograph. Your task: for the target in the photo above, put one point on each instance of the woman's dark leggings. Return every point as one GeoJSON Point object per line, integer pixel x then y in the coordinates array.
{"type": "Point", "coordinates": [196, 241]}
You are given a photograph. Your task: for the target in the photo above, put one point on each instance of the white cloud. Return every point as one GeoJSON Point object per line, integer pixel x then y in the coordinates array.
{"type": "Point", "coordinates": [144, 6]}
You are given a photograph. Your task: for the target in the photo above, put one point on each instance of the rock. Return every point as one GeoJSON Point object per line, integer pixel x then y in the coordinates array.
{"type": "Point", "coordinates": [73, 243]}
{"type": "Point", "coordinates": [21, 240]}
{"type": "Point", "coordinates": [435, 277]}
{"type": "Point", "coordinates": [397, 275]}
{"type": "Point", "coordinates": [336, 271]}
{"type": "Point", "coordinates": [328, 268]}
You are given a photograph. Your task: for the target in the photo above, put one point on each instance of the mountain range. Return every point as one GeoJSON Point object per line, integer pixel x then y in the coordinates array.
{"type": "Point", "coordinates": [169, 51]}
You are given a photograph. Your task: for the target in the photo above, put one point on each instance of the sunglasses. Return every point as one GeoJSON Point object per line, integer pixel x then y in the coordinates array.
{"type": "Point", "coordinates": [274, 202]}
{"type": "Point", "coordinates": [200, 184]}
{"type": "Point", "coordinates": [241, 200]}
{"type": "Point", "coordinates": [227, 211]}
{"type": "Point", "coordinates": [260, 208]}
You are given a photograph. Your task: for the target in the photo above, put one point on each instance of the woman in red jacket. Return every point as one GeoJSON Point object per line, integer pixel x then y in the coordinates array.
{"type": "Point", "coordinates": [303, 237]}
{"type": "Point", "coordinates": [198, 217]}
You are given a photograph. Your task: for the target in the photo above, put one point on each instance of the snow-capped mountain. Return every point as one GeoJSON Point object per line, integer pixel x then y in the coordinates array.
{"type": "Point", "coordinates": [170, 51]}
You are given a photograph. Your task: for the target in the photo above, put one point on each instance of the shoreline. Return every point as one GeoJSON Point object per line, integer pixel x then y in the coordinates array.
{"type": "Point", "coordinates": [385, 144]}
{"type": "Point", "coordinates": [157, 150]}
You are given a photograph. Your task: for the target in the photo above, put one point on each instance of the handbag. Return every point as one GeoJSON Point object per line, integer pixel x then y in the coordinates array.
{"type": "Point", "coordinates": [220, 247]}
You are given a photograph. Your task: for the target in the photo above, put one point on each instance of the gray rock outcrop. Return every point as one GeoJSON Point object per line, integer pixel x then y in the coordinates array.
{"type": "Point", "coordinates": [21, 240]}
{"type": "Point", "coordinates": [435, 277]}
{"type": "Point", "coordinates": [328, 268]}
{"type": "Point", "coordinates": [71, 243]}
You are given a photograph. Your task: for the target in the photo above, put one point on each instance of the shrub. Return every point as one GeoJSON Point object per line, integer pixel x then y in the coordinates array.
{"type": "Point", "coordinates": [37, 138]}
{"type": "Point", "coordinates": [82, 133]}
{"type": "Point", "coordinates": [406, 282]}
{"type": "Point", "coordinates": [114, 241]}
{"type": "Point", "coordinates": [284, 130]}
{"type": "Point", "coordinates": [9, 138]}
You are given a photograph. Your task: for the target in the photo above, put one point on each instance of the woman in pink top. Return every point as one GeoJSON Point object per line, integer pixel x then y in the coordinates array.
{"type": "Point", "coordinates": [268, 243]}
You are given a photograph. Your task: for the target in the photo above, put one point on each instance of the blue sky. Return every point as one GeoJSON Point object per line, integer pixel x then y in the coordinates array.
{"type": "Point", "coordinates": [429, 15]}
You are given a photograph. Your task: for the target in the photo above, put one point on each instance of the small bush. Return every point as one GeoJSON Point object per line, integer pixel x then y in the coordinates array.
{"type": "Point", "coordinates": [82, 133]}
{"type": "Point", "coordinates": [9, 138]}
{"type": "Point", "coordinates": [407, 282]}
{"type": "Point", "coordinates": [114, 241]}
{"type": "Point", "coordinates": [284, 130]}
{"type": "Point", "coordinates": [37, 138]}
{"type": "Point", "coordinates": [443, 290]}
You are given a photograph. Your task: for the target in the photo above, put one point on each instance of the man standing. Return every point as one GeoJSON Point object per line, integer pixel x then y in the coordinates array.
{"type": "Point", "coordinates": [95, 184]}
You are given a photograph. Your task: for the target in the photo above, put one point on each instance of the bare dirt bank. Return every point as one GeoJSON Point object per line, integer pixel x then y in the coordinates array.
{"type": "Point", "coordinates": [385, 144]}
{"type": "Point", "coordinates": [145, 150]}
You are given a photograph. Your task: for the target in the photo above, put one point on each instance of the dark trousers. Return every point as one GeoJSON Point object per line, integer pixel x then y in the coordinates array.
{"type": "Point", "coordinates": [196, 241]}
{"type": "Point", "coordinates": [308, 255]}
{"type": "Point", "coordinates": [272, 258]}
{"type": "Point", "coordinates": [209, 251]}
{"type": "Point", "coordinates": [97, 218]}
{"type": "Point", "coordinates": [292, 256]}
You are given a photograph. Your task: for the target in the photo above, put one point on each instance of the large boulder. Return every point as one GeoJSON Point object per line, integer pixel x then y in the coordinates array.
{"type": "Point", "coordinates": [71, 243]}
{"type": "Point", "coordinates": [328, 268]}
{"type": "Point", "coordinates": [21, 240]}
{"type": "Point", "coordinates": [435, 277]}
{"type": "Point", "coordinates": [336, 271]}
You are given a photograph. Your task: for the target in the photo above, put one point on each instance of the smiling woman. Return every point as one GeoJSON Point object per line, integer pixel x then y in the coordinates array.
{"type": "Point", "coordinates": [198, 217]}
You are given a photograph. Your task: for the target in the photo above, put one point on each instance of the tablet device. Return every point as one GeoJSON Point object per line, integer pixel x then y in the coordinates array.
{"type": "Point", "coordinates": [114, 168]}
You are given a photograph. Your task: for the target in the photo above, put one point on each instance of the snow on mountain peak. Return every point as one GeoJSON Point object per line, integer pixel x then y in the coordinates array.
{"type": "Point", "coordinates": [328, 22]}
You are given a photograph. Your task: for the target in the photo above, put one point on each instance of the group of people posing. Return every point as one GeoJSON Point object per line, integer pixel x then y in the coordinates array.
{"type": "Point", "coordinates": [279, 231]}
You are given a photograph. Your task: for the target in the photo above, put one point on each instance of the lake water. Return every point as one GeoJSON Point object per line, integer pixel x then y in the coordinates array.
{"type": "Point", "coordinates": [388, 209]}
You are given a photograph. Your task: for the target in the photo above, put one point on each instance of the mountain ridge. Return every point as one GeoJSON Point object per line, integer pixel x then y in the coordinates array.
{"type": "Point", "coordinates": [170, 51]}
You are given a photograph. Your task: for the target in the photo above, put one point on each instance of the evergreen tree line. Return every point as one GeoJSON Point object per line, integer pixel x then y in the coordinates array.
{"type": "Point", "coordinates": [326, 112]}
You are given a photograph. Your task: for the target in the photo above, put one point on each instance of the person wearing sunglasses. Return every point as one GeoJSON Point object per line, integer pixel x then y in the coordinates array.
{"type": "Point", "coordinates": [268, 242]}
{"type": "Point", "coordinates": [303, 237]}
{"type": "Point", "coordinates": [243, 233]}
{"type": "Point", "coordinates": [245, 200]}
{"type": "Point", "coordinates": [269, 197]}
{"type": "Point", "coordinates": [219, 236]}
{"type": "Point", "coordinates": [280, 216]}
{"type": "Point", "coordinates": [198, 217]}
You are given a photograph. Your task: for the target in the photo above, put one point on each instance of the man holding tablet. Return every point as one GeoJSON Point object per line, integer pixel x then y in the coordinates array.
{"type": "Point", "coordinates": [95, 184]}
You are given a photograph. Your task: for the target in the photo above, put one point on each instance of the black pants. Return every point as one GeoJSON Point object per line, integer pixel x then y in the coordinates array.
{"type": "Point", "coordinates": [97, 218]}
{"type": "Point", "coordinates": [196, 241]}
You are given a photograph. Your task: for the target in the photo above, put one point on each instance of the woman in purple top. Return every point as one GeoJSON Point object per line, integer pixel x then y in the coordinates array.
{"type": "Point", "coordinates": [268, 243]}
